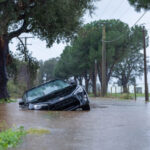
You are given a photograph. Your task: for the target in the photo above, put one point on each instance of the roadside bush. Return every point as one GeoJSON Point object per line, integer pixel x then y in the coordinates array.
{"type": "Point", "coordinates": [16, 90]}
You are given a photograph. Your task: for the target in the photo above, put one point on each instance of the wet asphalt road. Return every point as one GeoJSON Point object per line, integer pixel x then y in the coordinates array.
{"type": "Point", "coordinates": [110, 125]}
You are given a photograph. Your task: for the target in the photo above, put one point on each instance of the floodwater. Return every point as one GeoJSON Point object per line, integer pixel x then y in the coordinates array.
{"type": "Point", "coordinates": [110, 125]}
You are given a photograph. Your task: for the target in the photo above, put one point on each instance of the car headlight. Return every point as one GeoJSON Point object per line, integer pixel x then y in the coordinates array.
{"type": "Point", "coordinates": [39, 106]}
{"type": "Point", "coordinates": [78, 90]}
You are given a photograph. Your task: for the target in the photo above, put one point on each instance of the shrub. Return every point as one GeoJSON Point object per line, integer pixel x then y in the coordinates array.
{"type": "Point", "coordinates": [10, 138]}
{"type": "Point", "coordinates": [16, 90]}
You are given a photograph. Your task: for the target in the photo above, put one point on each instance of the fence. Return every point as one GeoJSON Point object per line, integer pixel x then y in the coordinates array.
{"type": "Point", "coordinates": [133, 91]}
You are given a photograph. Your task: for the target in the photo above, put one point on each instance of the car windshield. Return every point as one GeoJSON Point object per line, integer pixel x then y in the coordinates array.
{"type": "Point", "coordinates": [46, 89]}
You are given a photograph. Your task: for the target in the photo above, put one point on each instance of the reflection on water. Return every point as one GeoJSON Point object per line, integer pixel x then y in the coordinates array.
{"type": "Point", "coordinates": [109, 125]}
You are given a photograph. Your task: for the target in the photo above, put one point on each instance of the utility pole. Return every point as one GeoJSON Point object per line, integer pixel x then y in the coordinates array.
{"type": "Point", "coordinates": [95, 78]}
{"type": "Point", "coordinates": [135, 88]}
{"type": "Point", "coordinates": [104, 88]}
{"type": "Point", "coordinates": [145, 67]}
{"type": "Point", "coordinates": [26, 59]}
{"type": "Point", "coordinates": [25, 50]}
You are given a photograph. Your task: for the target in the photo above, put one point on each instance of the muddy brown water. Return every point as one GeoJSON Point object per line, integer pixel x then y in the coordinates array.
{"type": "Point", "coordinates": [110, 125]}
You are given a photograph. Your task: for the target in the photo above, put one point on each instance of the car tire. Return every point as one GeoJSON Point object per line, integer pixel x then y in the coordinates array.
{"type": "Point", "coordinates": [86, 107]}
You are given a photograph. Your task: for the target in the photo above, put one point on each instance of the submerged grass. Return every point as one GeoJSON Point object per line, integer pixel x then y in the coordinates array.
{"type": "Point", "coordinates": [38, 131]}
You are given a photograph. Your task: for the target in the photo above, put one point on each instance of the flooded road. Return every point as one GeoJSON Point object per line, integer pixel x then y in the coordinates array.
{"type": "Point", "coordinates": [110, 125]}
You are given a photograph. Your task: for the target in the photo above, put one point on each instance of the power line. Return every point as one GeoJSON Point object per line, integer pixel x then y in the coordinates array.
{"type": "Point", "coordinates": [140, 18]}
{"type": "Point", "coordinates": [124, 13]}
{"type": "Point", "coordinates": [115, 10]}
{"type": "Point", "coordinates": [106, 7]}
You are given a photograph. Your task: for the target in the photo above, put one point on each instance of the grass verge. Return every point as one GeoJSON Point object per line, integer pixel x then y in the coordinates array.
{"type": "Point", "coordinates": [5, 101]}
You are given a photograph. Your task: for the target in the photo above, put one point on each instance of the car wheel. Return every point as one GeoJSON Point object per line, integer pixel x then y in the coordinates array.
{"type": "Point", "coordinates": [86, 107]}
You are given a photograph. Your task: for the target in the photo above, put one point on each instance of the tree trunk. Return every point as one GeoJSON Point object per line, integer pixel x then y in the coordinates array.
{"type": "Point", "coordinates": [80, 80]}
{"type": "Point", "coordinates": [86, 83]}
{"type": "Point", "coordinates": [3, 73]}
{"type": "Point", "coordinates": [94, 83]}
{"type": "Point", "coordinates": [75, 79]}
{"type": "Point", "coordinates": [29, 78]}
{"type": "Point", "coordinates": [125, 88]}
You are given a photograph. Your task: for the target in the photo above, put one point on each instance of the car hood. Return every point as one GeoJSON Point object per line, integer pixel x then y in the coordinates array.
{"type": "Point", "coordinates": [56, 95]}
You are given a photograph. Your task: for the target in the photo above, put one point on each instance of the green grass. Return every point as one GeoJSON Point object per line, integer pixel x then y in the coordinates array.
{"type": "Point", "coordinates": [91, 95]}
{"type": "Point", "coordinates": [4, 101]}
{"type": "Point", "coordinates": [130, 94]}
{"type": "Point", "coordinates": [10, 138]}
{"type": "Point", "coordinates": [120, 95]}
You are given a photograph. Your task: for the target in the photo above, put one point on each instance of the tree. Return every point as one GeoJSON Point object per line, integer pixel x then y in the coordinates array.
{"type": "Point", "coordinates": [86, 49]}
{"type": "Point", "coordinates": [30, 64]}
{"type": "Point", "coordinates": [64, 66]}
{"type": "Point", "coordinates": [132, 65]}
{"type": "Point", "coordinates": [48, 20]}
{"type": "Point", "coordinates": [12, 68]}
{"type": "Point", "coordinates": [140, 4]}
{"type": "Point", "coordinates": [90, 41]}
{"type": "Point", "coordinates": [130, 68]}
{"type": "Point", "coordinates": [47, 68]}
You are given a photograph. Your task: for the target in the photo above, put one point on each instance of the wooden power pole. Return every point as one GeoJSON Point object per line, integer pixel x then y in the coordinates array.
{"type": "Point", "coordinates": [104, 88]}
{"type": "Point", "coordinates": [145, 67]}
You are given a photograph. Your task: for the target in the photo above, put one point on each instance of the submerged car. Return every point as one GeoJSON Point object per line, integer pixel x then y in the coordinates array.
{"type": "Point", "coordinates": [56, 95]}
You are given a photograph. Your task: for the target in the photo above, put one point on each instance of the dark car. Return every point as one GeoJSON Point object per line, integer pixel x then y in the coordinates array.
{"type": "Point", "coordinates": [56, 95]}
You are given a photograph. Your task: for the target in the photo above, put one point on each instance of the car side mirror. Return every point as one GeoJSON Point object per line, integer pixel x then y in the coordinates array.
{"type": "Point", "coordinates": [73, 82]}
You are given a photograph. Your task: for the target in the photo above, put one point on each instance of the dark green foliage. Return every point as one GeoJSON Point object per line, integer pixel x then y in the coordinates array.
{"type": "Point", "coordinates": [64, 66]}
{"type": "Point", "coordinates": [130, 68]}
{"type": "Point", "coordinates": [139, 4]}
{"type": "Point", "coordinates": [49, 20]}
